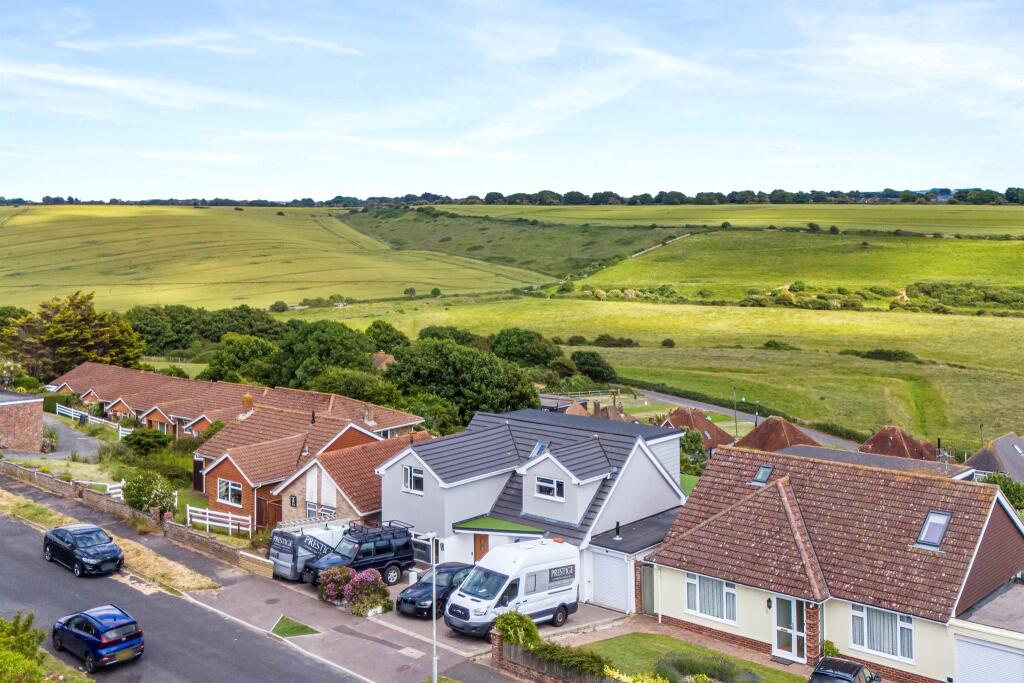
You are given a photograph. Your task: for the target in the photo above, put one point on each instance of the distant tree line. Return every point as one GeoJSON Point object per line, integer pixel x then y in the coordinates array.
{"type": "Point", "coordinates": [966, 195]}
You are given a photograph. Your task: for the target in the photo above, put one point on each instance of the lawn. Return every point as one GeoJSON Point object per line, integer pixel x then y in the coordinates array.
{"type": "Point", "coordinates": [687, 482]}
{"type": "Point", "coordinates": [930, 218]}
{"type": "Point", "coordinates": [216, 257]}
{"type": "Point", "coordinates": [191, 369]}
{"type": "Point", "coordinates": [726, 264]}
{"type": "Point", "coordinates": [289, 628]}
{"type": "Point", "coordinates": [639, 652]}
{"type": "Point", "coordinates": [101, 432]}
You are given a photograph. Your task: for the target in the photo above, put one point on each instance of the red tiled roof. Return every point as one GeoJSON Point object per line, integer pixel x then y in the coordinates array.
{"type": "Point", "coordinates": [894, 441]}
{"type": "Point", "coordinates": [860, 524]}
{"type": "Point", "coordinates": [352, 469]}
{"type": "Point", "coordinates": [577, 408]}
{"type": "Point", "coordinates": [269, 461]}
{"type": "Point", "coordinates": [774, 434]}
{"type": "Point", "coordinates": [711, 434]}
{"type": "Point", "coordinates": [381, 360]}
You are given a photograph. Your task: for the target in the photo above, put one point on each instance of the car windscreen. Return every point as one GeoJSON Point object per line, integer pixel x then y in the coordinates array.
{"type": "Point", "coordinates": [120, 631]}
{"type": "Point", "coordinates": [347, 548]}
{"type": "Point", "coordinates": [483, 583]}
{"type": "Point", "coordinates": [443, 578]}
{"type": "Point", "coordinates": [87, 539]}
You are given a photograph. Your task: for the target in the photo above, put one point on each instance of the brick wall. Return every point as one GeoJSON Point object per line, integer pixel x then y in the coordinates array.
{"type": "Point", "coordinates": [209, 545]}
{"type": "Point", "coordinates": [749, 643]}
{"type": "Point", "coordinates": [812, 629]}
{"type": "Point", "coordinates": [227, 470]}
{"type": "Point", "coordinates": [21, 425]}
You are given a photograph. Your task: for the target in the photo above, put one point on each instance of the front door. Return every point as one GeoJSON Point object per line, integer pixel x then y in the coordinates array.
{"type": "Point", "coordinates": [790, 641]}
{"type": "Point", "coordinates": [480, 546]}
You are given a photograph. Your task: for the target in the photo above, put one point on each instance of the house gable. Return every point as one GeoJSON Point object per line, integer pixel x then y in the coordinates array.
{"type": "Point", "coordinates": [999, 556]}
{"type": "Point", "coordinates": [643, 488]}
{"type": "Point", "coordinates": [351, 435]}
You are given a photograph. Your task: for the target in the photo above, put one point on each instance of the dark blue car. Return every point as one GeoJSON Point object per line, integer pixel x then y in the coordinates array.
{"type": "Point", "coordinates": [100, 637]}
{"type": "Point", "coordinates": [416, 600]}
{"type": "Point", "coordinates": [83, 548]}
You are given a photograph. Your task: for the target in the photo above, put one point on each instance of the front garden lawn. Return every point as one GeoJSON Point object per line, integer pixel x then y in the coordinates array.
{"type": "Point", "coordinates": [687, 482]}
{"type": "Point", "coordinates": [639, 652]}
{"type": "Point", "coordinates": [288, 628]}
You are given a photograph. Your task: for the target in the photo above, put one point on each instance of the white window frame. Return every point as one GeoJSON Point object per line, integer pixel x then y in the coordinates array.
{"type": "Point", "coordinates": [409, 476]}
{"type": "Point", "coordinates": [903, 622]}
{"type": "Point", "coordinates": [728, 588]}
{"type": "Point", "coordinates": [163, 427]}
{"type": "Point", "coordinates": [553, 484]}
{"type": "Point", "coordinates": [310, 506]}
{"type": "Point", "coordinates": [940, 517]}
{"type": "Point", "coordinates": [328, 510]}
{"type": "Point", "coordinates": [230, 485]}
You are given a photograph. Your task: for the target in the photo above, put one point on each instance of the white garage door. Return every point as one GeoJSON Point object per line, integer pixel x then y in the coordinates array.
{"type": "Point", "coordinates": [980, 662]}
{"type": "Point", "coordinates": [610, 582]}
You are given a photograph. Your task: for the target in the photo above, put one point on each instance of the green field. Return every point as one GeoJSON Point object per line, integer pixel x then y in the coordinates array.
{"type": "Point", "coordinates": [928, 218]}
{"type": "Point", "coordinates": [553, 249]}
{"type": "Point", "coordinates": [721, 347]}
{"type": "Point", "coordinates": [727, 263]}
{"type": "Point", "coordinates": [216, 257]}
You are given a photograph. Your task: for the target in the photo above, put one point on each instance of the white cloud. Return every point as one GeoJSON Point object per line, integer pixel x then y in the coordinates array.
{"type": "Point", "coordinates": [511, 43]}
{"type": "Point", "coordinates": [208, 41]}
{"type": "Point", "coordinates": [307, 42]}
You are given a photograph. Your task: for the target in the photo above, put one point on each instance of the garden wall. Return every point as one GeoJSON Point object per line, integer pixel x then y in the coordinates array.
{"type": "Point", "coordinates": [523, 664]}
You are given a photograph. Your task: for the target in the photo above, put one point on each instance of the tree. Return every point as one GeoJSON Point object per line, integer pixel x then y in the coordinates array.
{"type": "Point", "coordinates": [455, 334]}
{"type": "Point", "coordinates": [494, 198]}
{"type": "Point", "coordinates": [279, 307]}
{"type": "Point", "coordinates": [593, 365]}
{"type": "Point", "coordinates": [435, 292]}
{"type": "Point", "coordinates": [1014, 195]}
{"type": "Point", "coordinates": [146, 490]}
{"type": "Point", "coordinates": [144, 442]}
{"type": "Point", "coordinates": [440, 416]}
{"type": "Point", "coordinates": [1013, 490]}
{"type": "Point", "coordinates": [65, 333]}
{"type": "Point", "coordinates": [308, 349]}
{"type": "Point", "coordinates": [9, 313]}
{"type": "Point", "coordinates": [242, 358]}
{"type": "Point", "coordinates": [574, 197]}
{"type": "Point", "coordinates": [471, 379]}
{"type": "Point", "coordinates": [525, 347]}
{"type": "Point", "coordinates": [386, 337]}
{"type": "Point", "coordinates": [173, 371]}
{"type": "Point", "coordinates": [410, 292]}
{"type": "Point", "coordinates": [18, 636]}
{"type": "Point", "coordinates": [563, 366]}
{"type": "Point", "coordinates": [358, 384]}
{"type": "Point", "coordinates": [692, 456]}
{"type": "Point", "coordinates": [668, 343]}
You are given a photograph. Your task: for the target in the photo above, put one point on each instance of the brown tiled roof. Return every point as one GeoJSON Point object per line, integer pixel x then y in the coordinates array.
{"type": "Point", "coordinates": [896, 442]}
{"type": "Point", "coordinates": [774, 434]}
{"type": "Point", "coordinates": [577, 408]}
{"type": "Point", "coordinates": [861, 525]}
{"type": "Point", "coordinates": [381, 360]}
{"type": "Point", "coordinates": [267, 423]}
{"type": "Point", "coordinates": [269, 461]}
{"type": "Point", "coordinates": [711, 434]}
{"type": "Point", "coordinates": [613, 413]}
{"type": "Point", "coordinates": [352, 469]}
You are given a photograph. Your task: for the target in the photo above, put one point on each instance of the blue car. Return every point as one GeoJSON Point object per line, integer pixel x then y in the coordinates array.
{"type": "Point", "coordinates": [100, 637]}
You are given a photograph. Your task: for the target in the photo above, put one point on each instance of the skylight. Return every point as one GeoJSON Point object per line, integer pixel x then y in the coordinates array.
{"type": "Point", "coordinates": [934, 529]}
{"type": "Point", "coordinates": [1017, 448]}
{"type": "Point", "coordinates": [763, 472]}
{"type": "Point", "coordinates": [539, 449]}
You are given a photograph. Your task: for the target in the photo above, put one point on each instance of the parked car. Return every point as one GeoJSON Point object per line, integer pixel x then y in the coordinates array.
{"type": "Point", "coordinates": [833, 669]}
{"type": "Point", "coordinates": [100, 637]}
{"type": "Point", "coordinates": [84, 548]}
{"type": "Point", "coordinates": [416, 600]}
{"type": "Point", "coordinates": [387, 548]}
{"type": "Point", "coordinates": [537, 578]}
{"type": "Point", "coordinates": [292, 547]}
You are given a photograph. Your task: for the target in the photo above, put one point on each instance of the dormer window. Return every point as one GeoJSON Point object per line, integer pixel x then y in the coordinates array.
{"type": "Point", "coordinates": [935, 526]}
{"type": "Point", "coordinates": [763, 472]}
{"type": "Point", "coordinates": [550, 488]}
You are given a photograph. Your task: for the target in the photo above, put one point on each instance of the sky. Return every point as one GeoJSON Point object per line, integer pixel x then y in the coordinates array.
{"type": "Point", "coordinates": [276, 100]}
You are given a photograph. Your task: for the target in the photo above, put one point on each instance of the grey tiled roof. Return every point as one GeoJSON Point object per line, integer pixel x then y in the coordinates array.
{"type": "Point", "coordinates": [470, 454]}
{"type": "Point", "coordinates": [1005, 454]}
{"type": "Point", "coordinates": [584, 423]}
{"type": "Point", "coordinates": [875, 460]}
{"type": "Point", "coordinates": [509, 506]}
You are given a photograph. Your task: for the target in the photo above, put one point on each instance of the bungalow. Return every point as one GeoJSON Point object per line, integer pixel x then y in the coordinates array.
{"type": "Point", "coordinates": [895, 442]}
{"type": "Point", "coordinates": [944, 469]}
{"type": "Point", "coordinates": [775, 433]}
{"type": "Point", "coordinates": [780, 553]}
{"type": "Point", "coordinates": [694, 419]}
{"type": "Point", "coordinates": [1005, 454]}
{"type": "Point", "coordinates": [534, 473]}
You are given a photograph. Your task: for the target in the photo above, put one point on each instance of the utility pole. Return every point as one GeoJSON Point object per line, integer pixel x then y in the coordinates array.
{"type": "Point", "coordinates": [735, 416]}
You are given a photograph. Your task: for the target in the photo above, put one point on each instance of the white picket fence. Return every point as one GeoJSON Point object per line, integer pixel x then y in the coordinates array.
{"type": "Point", "coordinates": [92, 419]}
{"type": "Point", "coordinates": [113, 489]}
{"type": "Point", "coordinates": [203, 518]}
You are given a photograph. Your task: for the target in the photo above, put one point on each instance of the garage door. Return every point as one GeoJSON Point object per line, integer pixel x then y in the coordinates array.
{"type": "Point", "coordinates": [981, 662]}
{"type": "Point", "coordinates": [610, 582]}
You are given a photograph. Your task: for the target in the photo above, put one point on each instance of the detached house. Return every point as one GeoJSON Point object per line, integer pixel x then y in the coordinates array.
{"type": "Point", "coordinates": [1005, 455]}
{"type": "Point", "coordinates": [895, 442]}
{"type": "Point", "coordinates": [533, 473]}
{"type": "Point", "coordinates": [780, 553]}
{"type": "Point", "coordinates": [693, 419]}
{"type": "Point", "coordinates": [775, 433]}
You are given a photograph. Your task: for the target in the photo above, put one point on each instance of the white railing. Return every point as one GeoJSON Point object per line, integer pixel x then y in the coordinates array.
{"type": "Point", "coordinates": [113, 489]}
{"type": "Point", "coordinates": [201, 517]}
{"type": "Point", "coordinates": [74, 414]}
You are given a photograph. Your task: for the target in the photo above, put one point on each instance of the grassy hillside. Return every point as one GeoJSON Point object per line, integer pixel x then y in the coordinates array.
{"type": "Point", "coordinates": [727, 263]}
{"type": "Point", "coordinates": [216, 257]}
{"type": "Point", "coordinates": [553, 249]}
{"type": "Point", "coordinates": [721, 347]}
{"type": "Point", "coordinates": [928, 218]}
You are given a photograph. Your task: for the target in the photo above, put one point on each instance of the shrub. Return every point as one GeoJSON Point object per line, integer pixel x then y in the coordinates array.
{"type": "Point", "coordinates": [365, 592]}
{"type": "Point", "coordinates": [146, 490]}
{"type": "Point", "coordinates": [679, 665]}
{"type": "Point", "coordinates": [564, 367]}
{"type": "Point", "coordinates": [410, 292]}
{"type": "Point", "coordinates": [829, 649]}
{"type": "Point", "coordinates": [891, 355]}
{"type": "Point", "coordinates": [617, 675]}
{"type": "Point", "coordinates": [143, 441]}
{"type": "Point", "coordinates": [333, 582]}
{"type": "Point", "coordinates": [668, 343]}
{"type": "Point", "coordinates": [776, 345]}
{"type": "Point", "coordinates": [594, 366]}
{"type": "Point", "coordinates": [574, 658]}
{"type": "Point", "coordinates": [577, 340]}
{"type": "Point", "coordinates": [18, 636]}
{"type": "Point", "coordinates": [517, 629]}
{"type": "Point", "coordinates": [16, 668]}
{"type": "Point", "coordinates": [279, 307]}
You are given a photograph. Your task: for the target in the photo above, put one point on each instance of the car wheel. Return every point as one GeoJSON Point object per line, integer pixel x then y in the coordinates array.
{"type": "Point", "coordinates": [439, 610]}
{"type": "Point", "coordinates": [48, 553]}
{"type": "Point", "coordinates": [561, 614]}
{"type": "Point", "coordinates": [77, 568]}
{"type": "Point", "coordinates": [57, 644]}
{"type": "Point", "coordinates": [392, 574]}
{"type": "Point", "coordinates": [90, 663]}
{"type": "Point", "coordinates": [117, 567]}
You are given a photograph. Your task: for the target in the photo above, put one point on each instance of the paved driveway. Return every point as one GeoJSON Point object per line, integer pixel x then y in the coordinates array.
{"type": "Point", "coordinates": [184, 641]}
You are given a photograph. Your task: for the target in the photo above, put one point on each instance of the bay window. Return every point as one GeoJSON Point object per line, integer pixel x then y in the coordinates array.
{"type": "Point", "coordinates": [711, 597]}
{"type": "Point", "coordinates": [882, 632]}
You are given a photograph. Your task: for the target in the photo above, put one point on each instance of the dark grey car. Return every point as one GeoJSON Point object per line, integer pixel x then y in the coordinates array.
{"type": "Point", "coordinates": [83, 548]}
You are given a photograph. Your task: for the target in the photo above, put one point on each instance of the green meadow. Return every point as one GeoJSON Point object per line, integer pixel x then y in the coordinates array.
{"type": "Point", "coordinates": [728, 262]}
{"type": "Point", "coordinates": [927, 218]}
{"type": "Point", "coordinates": [216, 257]}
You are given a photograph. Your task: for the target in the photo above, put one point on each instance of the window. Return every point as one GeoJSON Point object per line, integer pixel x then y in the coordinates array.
{"type": "Point", "coordinates": [539, 448]}
{"type": "Point", "coordinates": [310, 510]}
{"type": "Point", "coordinates": [763, 472]}
{"type": "Point", "coordinates": [382, 548]}
{"type": "Point", "coordinates": [934, 529]}
{"type": "Point", "coordinates": [229, 492]}
{"type": "Point", "coordinates": [536, 582]}
{"type": "Point", "coordinates": [161, 427]}
{"type": "Point", "coordinates": [412, 479]}
{"type": "Point", "coordinates": [365, 551]}
{"type": "Point", "coordinates": [882, 631]}
{"type": "Point", "coordinates": [550, 488]}
{"type": "Point", "coordinates": [711, 597]}
{"type": "Point", "coordinates": [327, 510]}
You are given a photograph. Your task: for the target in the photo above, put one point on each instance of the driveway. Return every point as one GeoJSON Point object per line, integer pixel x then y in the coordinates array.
{"type": "Point", "coordinates": [821, 437]}
{"type": "Point", "coordinates": [184, 641]}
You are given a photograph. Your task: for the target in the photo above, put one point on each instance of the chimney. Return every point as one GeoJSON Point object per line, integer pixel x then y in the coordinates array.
{"type": "Point", "coordinates": [246, 406]}
{"type": "Point", "coordinates": [368, 415]}
{"type": "Point", "coordinates": [597, 406]}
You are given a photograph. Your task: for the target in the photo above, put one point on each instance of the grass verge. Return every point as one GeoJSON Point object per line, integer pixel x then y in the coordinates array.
{"type": "Point", "coordinates": [288, 628]}
{"type": "Point", "coordinates": [687, 482]}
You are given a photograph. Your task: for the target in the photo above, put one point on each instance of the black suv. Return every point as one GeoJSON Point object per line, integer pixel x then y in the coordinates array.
{"type": "Point", "coordinates": [832, 669]}
{"type": "Point", "coordinates": [85, 548]}
{"type": "Point", "coordinates": [387, 548]}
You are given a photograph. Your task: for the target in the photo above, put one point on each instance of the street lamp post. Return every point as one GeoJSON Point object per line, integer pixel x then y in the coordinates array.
{"type": "Point", "coordinates": [431, 539]}
{"type": "Point", "coordinates": [735, 417]}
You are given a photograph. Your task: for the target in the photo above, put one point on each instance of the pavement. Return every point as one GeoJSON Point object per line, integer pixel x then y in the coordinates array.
{"type": "Point", "coordinates": [184, 642]}
{"type": "Point", "coordinates": [821, 437]}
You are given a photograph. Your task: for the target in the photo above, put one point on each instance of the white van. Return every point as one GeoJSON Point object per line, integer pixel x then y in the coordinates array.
{"type": "Point", "coordinates": [294, 544]}
{"type": "Point", "coordinates": [537, 578]}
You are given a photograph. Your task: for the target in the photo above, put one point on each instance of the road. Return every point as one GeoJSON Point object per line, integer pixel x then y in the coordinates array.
{"type": "Point", "coordinates": [821, 437]}
{"type": "Point", "coordinates": [184, 642]}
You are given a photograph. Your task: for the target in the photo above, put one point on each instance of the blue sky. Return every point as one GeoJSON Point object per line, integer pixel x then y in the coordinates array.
{"type": "Point", "coordinates": [283, 100]}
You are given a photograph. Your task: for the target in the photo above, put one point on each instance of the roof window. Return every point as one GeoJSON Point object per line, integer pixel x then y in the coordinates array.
{"type": "Point", "coordinates": [935, 526]}
{"type": "Point", "coordinates": [538, 449]}
{"type": "Point", "coordinates": [763, 472]}
{"type": "Point", "coordinates": [1017, 448]}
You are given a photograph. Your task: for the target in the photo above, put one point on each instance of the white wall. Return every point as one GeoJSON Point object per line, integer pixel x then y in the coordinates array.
{"type": "Point", "coordinates": [641, 491]}
{"type": "Point", "coordinates": [753, 617]}
{"type": "Point", "coordinates": [667, 453]}
{"type": "Point", "coordinates": [577, 497]}
{"type": "Point", "coordinates": [425, 512]}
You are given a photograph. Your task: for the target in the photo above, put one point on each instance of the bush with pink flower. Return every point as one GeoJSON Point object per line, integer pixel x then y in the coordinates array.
{"type": "Point", "coordinates": [333, 582]}
{"type": "Point", "coordinates": [363, 591]}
